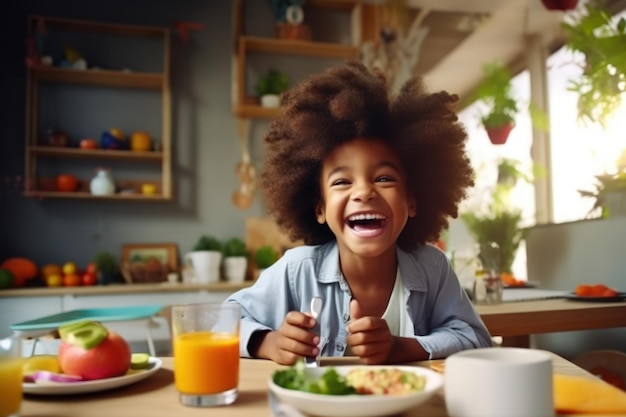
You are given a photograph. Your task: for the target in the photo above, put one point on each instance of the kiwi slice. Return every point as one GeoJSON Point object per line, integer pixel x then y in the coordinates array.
{"type": "Point", "coordinates": [87, 336]}
{"type": "Point", "coordinates": [139, 361]}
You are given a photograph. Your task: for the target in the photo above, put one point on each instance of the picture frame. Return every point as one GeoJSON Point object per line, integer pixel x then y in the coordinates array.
{"type": "Point", "coordinates": [166, 253]}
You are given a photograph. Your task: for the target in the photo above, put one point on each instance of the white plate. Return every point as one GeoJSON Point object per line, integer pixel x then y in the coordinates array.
{"type": "Point", "coordinates": [359, 405]}
{"type": "Point", "coordinates": [57, 388]}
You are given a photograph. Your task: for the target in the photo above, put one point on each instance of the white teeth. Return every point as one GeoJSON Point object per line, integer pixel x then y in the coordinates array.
{"type": "Point", "coordinates": [366, 216]}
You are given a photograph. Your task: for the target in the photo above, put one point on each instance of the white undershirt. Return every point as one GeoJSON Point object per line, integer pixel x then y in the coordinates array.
{"type": "Point", "coordinates": [396, 314]}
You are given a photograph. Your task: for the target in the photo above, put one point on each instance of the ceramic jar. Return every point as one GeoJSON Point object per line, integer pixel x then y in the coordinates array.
{"type": "Point", "coordinates": [102, 183]}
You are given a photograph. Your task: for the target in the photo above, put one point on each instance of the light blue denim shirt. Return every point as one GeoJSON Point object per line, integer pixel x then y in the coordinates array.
{"type": "Point", "coordinates": [443, 317]}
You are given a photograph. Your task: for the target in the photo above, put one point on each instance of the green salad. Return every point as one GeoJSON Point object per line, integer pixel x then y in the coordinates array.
{"type": "Point", "coordinates": [361, 381]}
{"type": "Point", "coordinates": [296, 378]}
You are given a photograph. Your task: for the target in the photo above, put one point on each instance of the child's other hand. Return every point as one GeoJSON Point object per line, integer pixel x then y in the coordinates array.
{"type": "Point", "coordinates": [369, 337]}
{"type": "Point", "coordinates": [294, 340]}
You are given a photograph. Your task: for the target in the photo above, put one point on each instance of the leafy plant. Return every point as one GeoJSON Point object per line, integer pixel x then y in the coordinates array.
{"type": "Point", "coordinates": [605, 184]}
{"type": "Point", "coordinates": [265, 256]}
{"type": "Point", "coordinates": [208, 243]}
{"type": "Point", "coordinates": [601, 39]}
{"type": "Point", "coordinates": [105, 262]}
{"type": "Point", "coordinates": [272, 82]}
{"type": "Point", "coordinates": [495, 91]}
{"type": "Point", "coordinates": [500, 223]}
{"type": "Point", "coordinates": [235, 247]}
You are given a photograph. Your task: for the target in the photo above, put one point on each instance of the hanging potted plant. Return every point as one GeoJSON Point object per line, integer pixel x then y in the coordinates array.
{"type": "Point", "coordinates": [600, 38]}
{"type": "Point", "coordinates": [269, 87]}
{"type": "Point", "coordinates": [495, 91]}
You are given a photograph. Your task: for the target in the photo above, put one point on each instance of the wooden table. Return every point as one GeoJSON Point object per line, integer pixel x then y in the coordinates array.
{"type": "Point", "coordinates": [156, 396]}
{"type": "Point", "coordinates": [516, 321]}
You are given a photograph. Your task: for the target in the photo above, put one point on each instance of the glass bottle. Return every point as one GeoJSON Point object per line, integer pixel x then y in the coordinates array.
{"type": "Point", "coordinates": [488, 283]}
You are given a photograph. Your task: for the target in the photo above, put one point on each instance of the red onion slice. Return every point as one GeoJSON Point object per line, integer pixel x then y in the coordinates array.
{"type": "Point", "coordinates": [47, 376]}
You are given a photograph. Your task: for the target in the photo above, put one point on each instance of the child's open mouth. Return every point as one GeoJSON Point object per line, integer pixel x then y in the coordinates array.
{"type": "Point", "coordinates": [367, 222]}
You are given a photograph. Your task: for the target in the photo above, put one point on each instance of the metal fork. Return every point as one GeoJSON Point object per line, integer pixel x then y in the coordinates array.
{"type": "Point", "coordinates": [316, 310]}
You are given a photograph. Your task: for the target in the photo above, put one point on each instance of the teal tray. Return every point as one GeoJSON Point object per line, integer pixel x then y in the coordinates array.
{"type": "Point", "coordinates": [96, 314]}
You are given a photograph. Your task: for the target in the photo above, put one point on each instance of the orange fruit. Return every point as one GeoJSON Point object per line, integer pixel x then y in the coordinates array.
{"type": "Point", "coordinates": [598, 289]}
{"type": "Point", "coordinates": [140, 141]}
{"type": "Point", "coordinates": [71, 280]}
{"type": "Point", "coordinates": [50, 269]}
{"type": "Point", "coordinates": [583, 290]}
{"type": "Point", "coordinates": [22, 269]}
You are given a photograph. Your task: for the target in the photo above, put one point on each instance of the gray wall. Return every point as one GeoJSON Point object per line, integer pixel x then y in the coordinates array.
{"type": "Point", "coordinates": [561, 256]}
{"type": "Point", "coordinates": [205, 144]}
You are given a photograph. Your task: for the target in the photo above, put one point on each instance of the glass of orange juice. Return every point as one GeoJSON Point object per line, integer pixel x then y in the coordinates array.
{"type": "Point", "coordinates": [206, 353]}
{"type": "Point", "coordinates": [10, 376]}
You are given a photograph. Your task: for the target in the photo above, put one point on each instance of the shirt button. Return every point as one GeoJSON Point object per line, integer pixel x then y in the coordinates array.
{"type": "Point", "coordinates": [339, 347]}
{"type": "Point", "coordinates": [346, 318]}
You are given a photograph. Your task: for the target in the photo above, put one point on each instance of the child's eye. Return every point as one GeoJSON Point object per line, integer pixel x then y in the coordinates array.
{"type": "Point", "coordinates": [385, 178]}
{"type": "Point", "coordinates": [340, 182]}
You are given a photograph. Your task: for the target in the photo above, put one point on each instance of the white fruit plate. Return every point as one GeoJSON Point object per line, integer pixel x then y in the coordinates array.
{"type": "Point", "coordinates": [69, 388]}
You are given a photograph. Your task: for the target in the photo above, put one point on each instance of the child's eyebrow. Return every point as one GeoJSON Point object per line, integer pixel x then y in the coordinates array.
{"type": "Point", "coordinates": [381, 164]}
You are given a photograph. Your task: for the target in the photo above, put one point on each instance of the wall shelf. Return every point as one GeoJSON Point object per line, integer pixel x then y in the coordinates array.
{"type": "Point", "coordinates": [153, 44]}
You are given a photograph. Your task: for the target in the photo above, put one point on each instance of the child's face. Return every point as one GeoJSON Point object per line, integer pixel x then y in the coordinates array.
{"type": "Point", "coordinates": [364, 197]}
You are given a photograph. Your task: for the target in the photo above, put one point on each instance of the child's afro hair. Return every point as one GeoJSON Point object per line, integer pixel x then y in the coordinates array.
{"type": "Point", "coordinates": [347, 102]}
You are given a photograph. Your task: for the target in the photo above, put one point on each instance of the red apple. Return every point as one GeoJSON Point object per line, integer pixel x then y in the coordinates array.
{"type": "Point", "coordinates": [110, 358]}
{"type": "Point", "coordinates": [88, 143]}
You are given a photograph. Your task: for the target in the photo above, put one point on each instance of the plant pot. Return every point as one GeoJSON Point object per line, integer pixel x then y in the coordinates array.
{"type": "Point", "coordinates": [203, 266]}
{"type": "Point", "coordinates": [562, 5]}
{"type": "Point", "coordinates": [498, 135]}
{"type": "Point", "coordinates": [235, 268]}
{"type": "Point", "coordinates": [270, 101]}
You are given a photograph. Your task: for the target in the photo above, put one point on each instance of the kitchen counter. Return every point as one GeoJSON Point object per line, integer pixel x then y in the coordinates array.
{"type": "Point", "coordinates": [161, 287]}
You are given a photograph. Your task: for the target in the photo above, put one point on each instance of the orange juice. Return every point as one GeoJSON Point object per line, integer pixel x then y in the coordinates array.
{"type": "Point", "coordinates": [206, 362]}
{"type": "Point", "coordinates": [10, 385]}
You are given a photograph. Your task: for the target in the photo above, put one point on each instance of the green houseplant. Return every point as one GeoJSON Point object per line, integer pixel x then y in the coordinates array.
{"type": "Point", "coordinates": [594, 33]}
{"type": "Point", "coordinates": [235, 259]}
{"type": "Point", "coordinates": [107, 267]}
{"type": "Point", "coordinates": [269, 87]}
{"type": "Point", "coordinates": [495, 91]}
{"type": "Point", "coordinates": [264, 257]}
{"type": "Point", "coordinates": [204, 261]}
{"type": "Point", "coordinates": [500, 222]}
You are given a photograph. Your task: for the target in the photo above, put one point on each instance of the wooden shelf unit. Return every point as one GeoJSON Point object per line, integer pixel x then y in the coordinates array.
{"type": "Point", "coordinates": [41, 187]}
{"type": "Point", "coordinates": [363, 27]}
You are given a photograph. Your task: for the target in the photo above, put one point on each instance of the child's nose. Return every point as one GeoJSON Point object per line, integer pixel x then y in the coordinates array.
{"type": "Point", "coordinates": [363, 191]}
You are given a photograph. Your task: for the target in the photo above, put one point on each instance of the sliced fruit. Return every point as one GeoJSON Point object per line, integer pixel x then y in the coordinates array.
{"type": "Point", "coordinates": [65, 329]}
{"type": "Point", "coordinates": [574, 394]}
{"type": "Point", "coordinates": [36, 363]}
{"type": "Point", "coordinates": [139, 361]}
{"type": "Point", "coordinates": [88, 336]}
{"type": "Point", "coordinates": [47, 376]}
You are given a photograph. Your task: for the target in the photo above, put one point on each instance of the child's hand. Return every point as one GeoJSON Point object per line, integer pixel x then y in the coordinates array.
{"type": "Point", "coordinates": [293, 340]}
{"type": "Point", "coordinates": [369, 337]}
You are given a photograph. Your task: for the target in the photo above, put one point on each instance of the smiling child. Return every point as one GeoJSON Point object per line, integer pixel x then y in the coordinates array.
{"type": "Point", "coordinates": [366, 182]}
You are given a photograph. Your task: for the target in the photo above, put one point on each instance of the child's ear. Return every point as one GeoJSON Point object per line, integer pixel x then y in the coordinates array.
{"type": "Point", "coordinates": [412, 206]}
{"type": "Point", "coordinates": [320, 215]}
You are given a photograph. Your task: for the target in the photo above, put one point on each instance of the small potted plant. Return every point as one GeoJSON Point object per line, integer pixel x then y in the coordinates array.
{"type": "Point", "coordinates": [106, 267]}
{"type": "Point", "coordinates": [204, 261]}
{"type": "Point", "coordinates": [235, 260]}
{"type": "Point", "coordinates": [264, 257]}
{"type": "Point", "coordinates": [495, 91]}
{"type": "Point", "coordinates": [269, 87]}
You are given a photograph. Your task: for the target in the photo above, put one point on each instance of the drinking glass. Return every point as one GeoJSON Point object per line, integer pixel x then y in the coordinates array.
{"type": "Point", "coordinates": [10, 376]}
{"type": "Point", "coordinates": [206, 353]}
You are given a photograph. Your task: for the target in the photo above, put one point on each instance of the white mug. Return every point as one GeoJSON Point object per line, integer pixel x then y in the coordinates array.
{"type": "Point", "coordinates": [496, 382]}
{"type": "Point", "coordinates": [205, 265]}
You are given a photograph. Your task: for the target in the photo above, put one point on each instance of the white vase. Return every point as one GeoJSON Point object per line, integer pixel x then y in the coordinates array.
{"type": "Point", "coordinates": [235, 268]}
{"type": "Point", "coordinates": [102, 183]}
